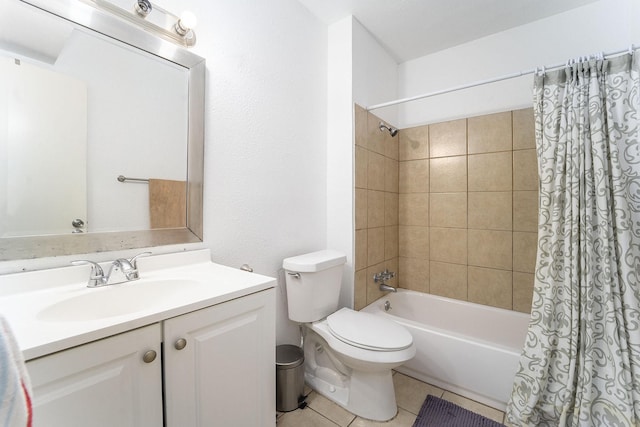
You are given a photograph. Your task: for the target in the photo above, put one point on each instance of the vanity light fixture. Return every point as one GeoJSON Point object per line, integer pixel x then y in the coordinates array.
{"type": "Point", "coordinates": [186, 23]}
{"type": "Point", "coordinates": [143, 8]}
{"type": "Point", "coordinates": [155, 20]}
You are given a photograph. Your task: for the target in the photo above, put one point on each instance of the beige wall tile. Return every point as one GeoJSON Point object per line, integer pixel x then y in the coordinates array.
{"type": "Point", "coordinates": [525, 247]}
{"type": "Point", "coordinates": [448, 174]}
{"type": "Point", "coordinates": [362, 160]}
{"type": "Point", "coordinates": [375, 138]}
{"type": "Point", "coordinates": [523, 129]}
{"type": "Point", "coordinates": [490, 210]}
{"type": "Point", "coordinates": [490, 287]}
{"type": "Point", "coordinates": [413, 274]}
{"type": "Point", "coordinates": [522, 291]}
{"type": "Point", "coordinates": [525, 170]}
{"type": "Point", "coordinates": [413, 209]}
{"type": "Point", "coordinates": [391, 149]}
{"type": "Point", "coordinates": [390, 208]}
{"type": "Point", "coordinates": [375, 171]}
{"type": "Point", "coordinates": [490, 133]}
{"type": "Point", "coordinates": [413, 242]}
{"type": "Point", "coordinates": [375, 245]}
{"type": "Point", "coordinates": [490, 172]}
{"type": "Point", "coordinates": [414, 176]}
{"type": "Point", "coordinates": [373, 291]}
{"type": "Point", "coordinates": [390, 242]}
{"type": "Point", "coordinates": [360, 291]}
{"type": "Point", "coordinates": [362, 255]}
{"type": "Point", "coordinates": [448, 280]}
{"type": "Point", "coordinates": [414, 143]}
{"type": "Point", "coordinates": [390, 175]}
{"type": "Point", "coordinates": [448, 210]}
{"type": "Point", "coordinates": [361, 125]}
{"type": "Point", "coordinates": [375, 208]}
{"type": "Point", "coordinates": [392, 265]}
{"type": "Point", "coordinates": [525, 211]}
{"type": "Point", "coordinates": [448, 138]}
{"type": "Point", "coordinates": [414, 217]}
{"type": "Point", "coordinates": [490, 248]}
{"type": "Point", "coordinates": [361, 209]}
{"type": "Point", "coordinates": [448, 245]}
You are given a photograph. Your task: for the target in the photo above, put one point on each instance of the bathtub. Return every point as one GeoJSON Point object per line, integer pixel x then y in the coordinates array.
{"type": "Point", "coordinates": [469, 349]}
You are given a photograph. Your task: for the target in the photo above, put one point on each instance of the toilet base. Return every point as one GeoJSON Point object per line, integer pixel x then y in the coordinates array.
{"type": "Point", "coordinates": [368, 395]}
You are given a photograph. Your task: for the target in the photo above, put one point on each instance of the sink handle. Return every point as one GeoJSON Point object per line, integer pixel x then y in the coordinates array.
{"type": "Point", "coordinates": [96, 278]}
{"type": "Point", "coordinates": [134, 260]}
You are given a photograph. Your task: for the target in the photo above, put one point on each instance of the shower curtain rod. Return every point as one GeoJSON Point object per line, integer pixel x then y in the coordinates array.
{"type": "Point", "coordinates": [487, 81]}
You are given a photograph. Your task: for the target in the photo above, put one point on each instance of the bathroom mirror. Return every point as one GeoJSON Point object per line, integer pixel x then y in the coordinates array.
{"type": "Point", "coordinates": [84, 98]}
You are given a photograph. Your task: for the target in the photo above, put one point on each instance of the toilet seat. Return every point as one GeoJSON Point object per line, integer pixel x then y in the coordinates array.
{"type": "Point", "coordinates": [368, 331]}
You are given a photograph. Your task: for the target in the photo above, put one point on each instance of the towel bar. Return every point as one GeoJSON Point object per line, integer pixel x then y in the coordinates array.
{"type": "Point", "coordinates": [123, 178]}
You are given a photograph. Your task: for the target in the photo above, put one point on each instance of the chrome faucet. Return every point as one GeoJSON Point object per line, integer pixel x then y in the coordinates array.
{"type": "Point", "coordinates": [382, 277]}
{"type": "Point", "coordinates": [386, 288]}
{"type": "Point", "coordinates": [121, 270]}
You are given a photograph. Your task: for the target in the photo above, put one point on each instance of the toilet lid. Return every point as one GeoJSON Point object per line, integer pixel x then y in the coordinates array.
{"type": "Point", "coordinates": [368, 331]}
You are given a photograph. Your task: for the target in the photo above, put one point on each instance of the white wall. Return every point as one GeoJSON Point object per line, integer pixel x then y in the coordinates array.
{"type": "Point", "coordinates": [265, 131]}
{"type": "Point", "coordinates": [340, 154]}
{"type": "Point", "coordinates": [375, 73]}
{"type": "Point", "coordinates": [603, 26]}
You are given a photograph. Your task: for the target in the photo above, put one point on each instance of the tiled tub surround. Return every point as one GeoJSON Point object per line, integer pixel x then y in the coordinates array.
{"type": "Point", "coordinates": [451, 207]}
{"type": "Point", "coordinates": [376, 206]}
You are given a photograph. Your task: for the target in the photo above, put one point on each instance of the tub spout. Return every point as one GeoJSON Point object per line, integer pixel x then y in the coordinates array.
{"type": "Point", "coordinates": [386, 288]}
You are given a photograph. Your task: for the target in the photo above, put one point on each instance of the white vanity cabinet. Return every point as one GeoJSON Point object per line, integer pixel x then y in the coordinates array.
{"type": "Point", "coordinates": [89, 350]}
{"type": "Point", "coordinates": [219, 364]}
{"type": "Point", "coordinates": [104, 383]}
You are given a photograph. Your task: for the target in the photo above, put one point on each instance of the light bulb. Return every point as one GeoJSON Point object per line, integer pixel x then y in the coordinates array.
{"type": "Point", "coordinates": [188, 20]}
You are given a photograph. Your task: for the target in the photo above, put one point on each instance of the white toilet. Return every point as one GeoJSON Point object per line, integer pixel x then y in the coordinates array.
{"type": "Point", "coordinates": [348, 354]}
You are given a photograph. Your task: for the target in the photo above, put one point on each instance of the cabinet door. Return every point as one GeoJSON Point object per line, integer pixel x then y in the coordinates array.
{"type": "Point", "coordinates": [225, 375]}
{"type": "Point", "coordinates": [105, 383]}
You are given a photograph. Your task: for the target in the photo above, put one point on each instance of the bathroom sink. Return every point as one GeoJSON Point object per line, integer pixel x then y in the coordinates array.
{"type": "Point", "coordinates": [117, 300]}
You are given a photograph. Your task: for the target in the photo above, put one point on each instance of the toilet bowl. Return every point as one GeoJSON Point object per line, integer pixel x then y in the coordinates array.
{"type": "Point", "coordinates": [349, 355]}
{"type": "Point", "coordinates": [353, 371]}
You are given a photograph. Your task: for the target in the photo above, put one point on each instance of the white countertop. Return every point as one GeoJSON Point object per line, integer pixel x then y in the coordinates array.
{"type": "Point", "coordinates": [24, 295]}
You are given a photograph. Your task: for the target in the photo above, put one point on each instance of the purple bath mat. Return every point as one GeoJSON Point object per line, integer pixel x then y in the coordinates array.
{"type": "Point", "coordinates": [436, 412]}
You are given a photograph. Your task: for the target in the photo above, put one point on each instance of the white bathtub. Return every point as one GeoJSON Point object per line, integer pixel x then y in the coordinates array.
{"type": "Point", "coordinates": [469, 349]}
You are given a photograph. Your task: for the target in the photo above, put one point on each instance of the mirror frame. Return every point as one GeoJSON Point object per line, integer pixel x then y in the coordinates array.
{"type": "Point", "coordinates": [109, 26]}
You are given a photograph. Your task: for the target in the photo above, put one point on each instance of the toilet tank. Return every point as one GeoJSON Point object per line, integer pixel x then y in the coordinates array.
{"type": "Point", "coordinates": [313, 284]}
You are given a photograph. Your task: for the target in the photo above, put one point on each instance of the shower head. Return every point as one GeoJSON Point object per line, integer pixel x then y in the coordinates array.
{"type": "Point", "coordinates": [392, 131]}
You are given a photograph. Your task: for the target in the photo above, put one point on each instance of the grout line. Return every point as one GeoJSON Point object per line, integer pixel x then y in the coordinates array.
{"type": "Point", "coordinates": [321, 414]}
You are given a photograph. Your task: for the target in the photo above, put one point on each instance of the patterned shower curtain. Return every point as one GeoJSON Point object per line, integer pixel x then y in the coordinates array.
{"type": "Point", "coordinates": [581, 360]}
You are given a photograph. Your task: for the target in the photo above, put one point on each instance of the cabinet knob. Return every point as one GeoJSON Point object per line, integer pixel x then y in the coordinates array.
{"type": "Point", "coordinates": [149, 356]}
{"type": "Point", "coordinates": [180, 344]}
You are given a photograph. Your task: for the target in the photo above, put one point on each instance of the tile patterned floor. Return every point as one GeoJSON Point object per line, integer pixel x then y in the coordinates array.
{"type": "Point", "coordinates": [410, 393]}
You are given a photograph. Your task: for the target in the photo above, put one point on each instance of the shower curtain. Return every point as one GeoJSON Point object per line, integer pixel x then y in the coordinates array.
{"type": "Point", "coordinates": [581, 361]}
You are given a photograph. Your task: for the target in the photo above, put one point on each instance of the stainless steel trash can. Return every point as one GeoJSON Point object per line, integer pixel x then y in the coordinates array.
{"type": "Point", "coordinates": [289, 377]}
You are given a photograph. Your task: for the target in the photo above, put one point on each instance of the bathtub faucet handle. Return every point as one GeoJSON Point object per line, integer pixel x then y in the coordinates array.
{"type": "Point", "coordinates": [383, 276]}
